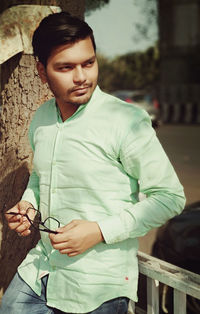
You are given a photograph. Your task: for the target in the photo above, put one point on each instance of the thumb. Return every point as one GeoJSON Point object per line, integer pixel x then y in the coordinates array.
{"type": "Point", "coordinates": [66, 227]}
{"type": "Point", "coordinates": [26, 208]}
{"type": "Point", "coordinates": [61, 229]}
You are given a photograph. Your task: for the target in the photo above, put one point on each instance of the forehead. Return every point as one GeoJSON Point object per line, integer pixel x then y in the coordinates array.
{"type": "Point", "coordinates": [76, 52]}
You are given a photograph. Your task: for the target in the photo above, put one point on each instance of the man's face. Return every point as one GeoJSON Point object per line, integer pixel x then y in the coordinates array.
{"type": "Point", "coordinates": [71, 72]}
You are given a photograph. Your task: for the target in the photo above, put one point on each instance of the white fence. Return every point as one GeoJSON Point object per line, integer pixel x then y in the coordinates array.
{"type": "Point", "coordinates": [157, 271]}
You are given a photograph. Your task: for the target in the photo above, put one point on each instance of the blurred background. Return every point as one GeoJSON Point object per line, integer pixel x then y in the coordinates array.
{"type": "Point", "coordinates": [152, 45]}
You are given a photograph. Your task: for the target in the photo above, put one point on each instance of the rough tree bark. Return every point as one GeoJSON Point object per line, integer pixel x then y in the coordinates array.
{"type": "Point", "coordinates": [75, 7]}
{"type": "Point", "coordinates": [21, 94]}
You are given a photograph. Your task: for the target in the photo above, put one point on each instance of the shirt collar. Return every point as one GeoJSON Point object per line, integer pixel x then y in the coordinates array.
{"type": "Point", "coordinates": [93, 98]}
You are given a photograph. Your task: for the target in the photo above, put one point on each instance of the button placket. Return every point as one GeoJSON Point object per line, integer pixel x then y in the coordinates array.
{"type": "Point", "coordinates": [54, 173]}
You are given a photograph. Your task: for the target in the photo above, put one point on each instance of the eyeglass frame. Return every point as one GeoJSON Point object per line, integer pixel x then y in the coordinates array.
{"type": "Point", "coordinates": [40, 220]}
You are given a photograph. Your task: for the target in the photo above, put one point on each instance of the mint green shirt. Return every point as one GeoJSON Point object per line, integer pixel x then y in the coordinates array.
{"type": "Point", "coordinates": [92, 166]}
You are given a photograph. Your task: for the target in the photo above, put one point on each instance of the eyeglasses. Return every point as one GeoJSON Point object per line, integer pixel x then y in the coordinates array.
{"type": "Point", "coordinates": [37, 223]}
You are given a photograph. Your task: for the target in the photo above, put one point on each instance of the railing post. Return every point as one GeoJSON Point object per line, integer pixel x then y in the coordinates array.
{"type": "Point", "coordinates": [152, 296]}
{"type": "Point", "coordinates": [183, 282]}
{"type": "Point", "coordinates": [131, 307]}
{"type": "Point", "coordinates": [179, 302]}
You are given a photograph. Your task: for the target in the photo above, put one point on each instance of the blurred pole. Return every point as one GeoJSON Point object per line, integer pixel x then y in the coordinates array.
{"type": "Point", "coordinates": [179, 22]}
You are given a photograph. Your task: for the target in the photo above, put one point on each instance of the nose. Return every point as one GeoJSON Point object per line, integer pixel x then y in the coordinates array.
{"type": "Point", "coordinates": [79, 75]}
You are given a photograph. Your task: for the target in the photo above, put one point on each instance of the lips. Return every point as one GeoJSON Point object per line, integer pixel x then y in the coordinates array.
{"type": "Point", "coordinates": [81, 88]}
{"type": "Point", "coordinates": [81, 91]}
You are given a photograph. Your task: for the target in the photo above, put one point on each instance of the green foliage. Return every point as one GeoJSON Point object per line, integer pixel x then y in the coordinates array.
{"type": "Point", "coordinates": [147, 27]}
{"type": "Point", "coordinates": [133, 70]}
{"type": "Point", "coordinates": [91, 5]}
{"type": "Point", "coordinates": [130, 71]}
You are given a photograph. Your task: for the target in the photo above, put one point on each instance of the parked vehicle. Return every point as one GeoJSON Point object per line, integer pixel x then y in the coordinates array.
{"type": "Point", "coordinates": [142, 99]}
{"type": "Point", "coordinates": [178, 242]}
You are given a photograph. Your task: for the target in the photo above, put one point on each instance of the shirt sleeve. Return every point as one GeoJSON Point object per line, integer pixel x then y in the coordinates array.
{"type": "Point", "coordinates": [144, 159]}
{"type": "Point", "coordinates": [31, 194]}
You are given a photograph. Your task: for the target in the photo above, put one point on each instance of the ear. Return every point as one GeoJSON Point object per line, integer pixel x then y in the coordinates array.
{"type": "Point", "coordinates": [42, 72]}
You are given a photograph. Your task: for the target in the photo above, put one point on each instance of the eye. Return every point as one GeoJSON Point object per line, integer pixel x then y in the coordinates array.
{"type": "Point", "coordinates": [89, 63]}
{"type": "Point", "coordinates": [65, 68]}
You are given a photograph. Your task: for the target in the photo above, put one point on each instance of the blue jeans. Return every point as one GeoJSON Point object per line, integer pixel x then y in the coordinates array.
{"type": "Point", "coordinates": [19, 298]}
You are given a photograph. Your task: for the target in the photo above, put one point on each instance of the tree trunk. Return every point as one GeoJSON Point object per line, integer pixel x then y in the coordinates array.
{"type": "Point", "coordinates": [21, 94]}
{"type": "Point", "coordinates": [75, 7]}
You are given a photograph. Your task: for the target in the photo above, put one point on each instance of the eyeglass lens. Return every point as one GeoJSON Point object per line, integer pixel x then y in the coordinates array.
{"type": "Point", "coordinates": [49, 223]}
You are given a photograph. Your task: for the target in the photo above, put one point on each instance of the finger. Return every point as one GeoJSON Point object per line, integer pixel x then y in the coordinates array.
{"type": "Point", "coordinates": [23, 209]}
{"type": "Point", "coordinates": [9, 216]}
{"type": "Point", "coordinates": [69, 226]}
{"type": "Point", "coordinates": [58, 238]}
{"type": "Point", "coordinates": [73, 254]}
{"type": "Point", "coordinates": [69, 252]}
{"type": "Point", "coordinates": [53, 238]}
{"type": "Point", "coordinates": [23, 227]}
{"type": "Point", "coordinates": [15, 209]}
{"type": "Point", "coordinates": [61, 246]}
{"type": "Point", "coordinates": [31, 212]}
{"type": "Point", "coordinates": [23, 206]}
{"type": "Point", "coordinates": [25, 233]}
{"type": "Point", "coordinates": [12, 218]}
{"type": "Point", "coordinates": [14, 224]}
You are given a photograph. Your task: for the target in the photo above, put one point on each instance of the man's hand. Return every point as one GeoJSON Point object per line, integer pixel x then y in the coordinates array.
{"type": "Point", "coordinates": [20, 223]}
{"type": "Point", "coordinates": [76, 237]}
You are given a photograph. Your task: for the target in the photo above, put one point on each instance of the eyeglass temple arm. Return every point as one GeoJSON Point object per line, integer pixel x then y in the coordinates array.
{"type": "Point", "coordinates": [45, 230]}
{"type": "Point", "coordinates": [49, 231]}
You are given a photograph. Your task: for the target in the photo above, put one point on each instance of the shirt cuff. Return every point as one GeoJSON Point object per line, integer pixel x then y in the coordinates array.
{"type": "Point", "coordinates": [29, 196]}
{"type": "Point", "coordinates": [113, 230]}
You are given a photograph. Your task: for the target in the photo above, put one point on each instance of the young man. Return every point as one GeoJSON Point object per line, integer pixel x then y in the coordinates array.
{"type": "Point", "coordinates": [93, 154]}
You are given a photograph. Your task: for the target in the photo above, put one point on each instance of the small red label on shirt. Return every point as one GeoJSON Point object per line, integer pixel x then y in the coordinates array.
{"type": "Point", "coordinates": [126, 278]}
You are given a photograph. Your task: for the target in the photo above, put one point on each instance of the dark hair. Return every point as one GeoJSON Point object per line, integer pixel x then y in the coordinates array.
{"type": "Point", "coordinates": [58, 29]}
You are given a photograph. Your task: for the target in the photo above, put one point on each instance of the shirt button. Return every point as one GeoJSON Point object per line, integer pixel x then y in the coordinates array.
{"type": "Point", "coordinates": [54, 163]}
{"type": "Point", "coordinates": [60, 127]}
{"type": "Point", "coordinates": [54, 190]}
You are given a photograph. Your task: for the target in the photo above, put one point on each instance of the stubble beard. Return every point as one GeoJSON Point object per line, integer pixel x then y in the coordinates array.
{"type": "Point", "coordinates": [83, 98]}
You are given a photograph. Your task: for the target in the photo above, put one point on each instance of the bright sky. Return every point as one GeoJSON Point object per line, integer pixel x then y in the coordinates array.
{"type": "Point", "coordinates": [114, 29]}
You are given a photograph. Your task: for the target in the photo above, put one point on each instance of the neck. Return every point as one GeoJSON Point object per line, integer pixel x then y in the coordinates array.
{"type": "Point", "coordinates": [67, 111]}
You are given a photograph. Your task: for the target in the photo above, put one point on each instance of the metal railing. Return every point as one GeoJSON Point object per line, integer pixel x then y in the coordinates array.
{"type": "Point", "coordinates": [157, 271]}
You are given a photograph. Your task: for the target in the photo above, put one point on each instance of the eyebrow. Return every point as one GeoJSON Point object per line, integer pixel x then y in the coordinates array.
{"type": "Point", "coordinates": [57, 64]}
